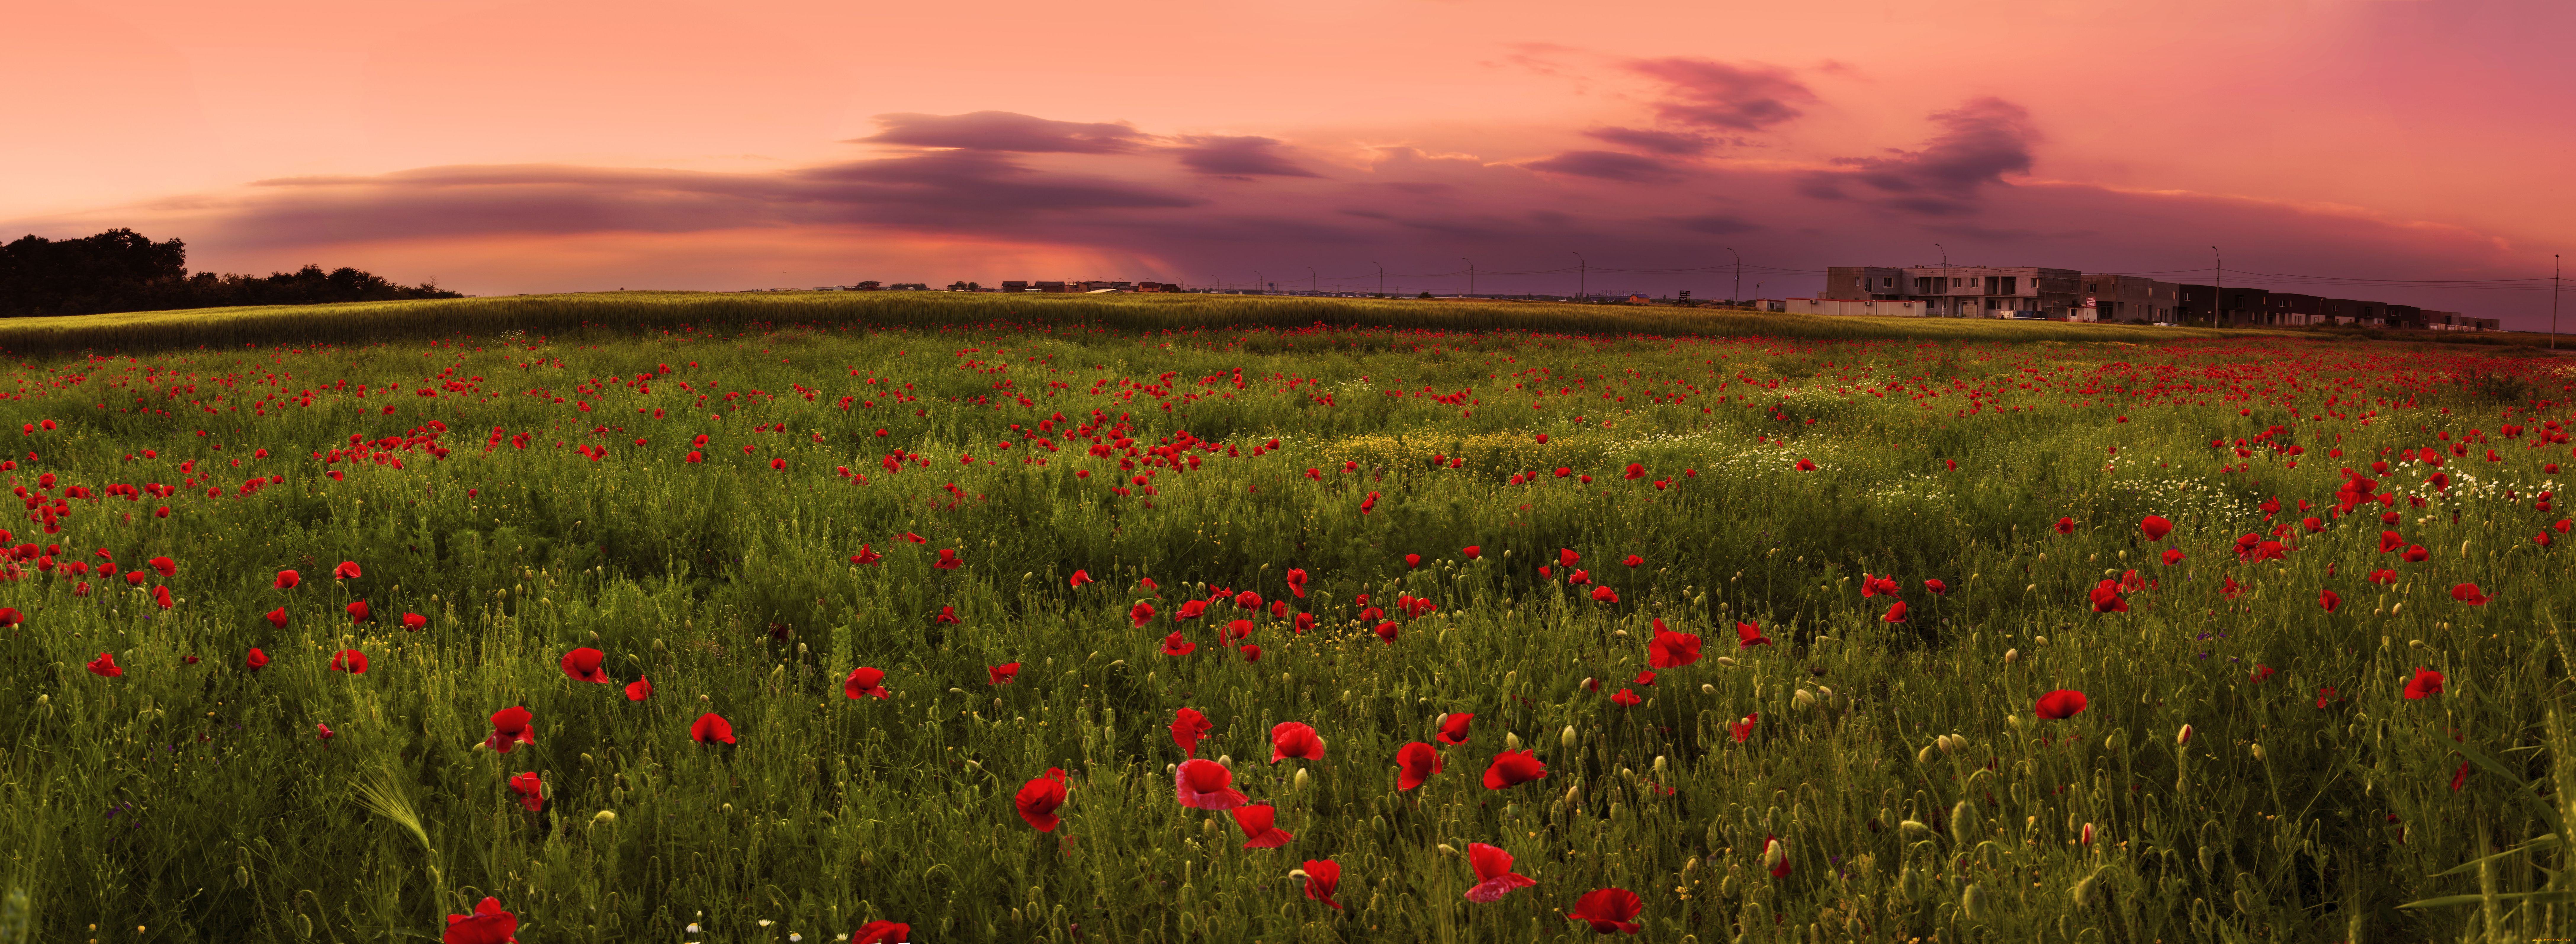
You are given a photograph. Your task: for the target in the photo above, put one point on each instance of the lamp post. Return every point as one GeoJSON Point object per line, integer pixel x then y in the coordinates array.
{"type": "Point", "coordinates": [1471, 275]}
{"type": "Point", "coordinates": [2553, 301]}
{"type": "Point", "coordinates": [1583, 276]}
{"type": "Point", "coordinates": [2218, 294]}
{"type": "Point", "coordinates": [1738, 291]}
{"type": "Point", "coordinates": [1381, 279]}
{"type": "Point", "coordinates": [1313, 282]}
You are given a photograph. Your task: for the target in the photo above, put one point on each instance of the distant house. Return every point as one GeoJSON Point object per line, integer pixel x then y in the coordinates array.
{"type": "Point", "coordinates": [1961, 291]}
{"type": "Point", "coordinates": [1046, 286]}
{"type": "Point", "coordinates": [1157, 287]}
{"type": "Point", "coordinates": [868, 286]}
{"type": "Point", "coordinates": [2127, 298]}
{"type": "Point", "coordinates": [1854, 307]}
{"type": "Point", "coordinates": [1015, 286]}
{"type": "Point", "coordinates": [1640, 300]}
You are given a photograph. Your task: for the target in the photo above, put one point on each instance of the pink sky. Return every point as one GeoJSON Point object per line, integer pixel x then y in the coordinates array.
{"type": "Point", "coordinates": [575, 145]}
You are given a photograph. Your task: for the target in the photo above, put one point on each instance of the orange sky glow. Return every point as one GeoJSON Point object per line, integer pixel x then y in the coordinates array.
{"type": "Point", "coordinates": [567, 146]}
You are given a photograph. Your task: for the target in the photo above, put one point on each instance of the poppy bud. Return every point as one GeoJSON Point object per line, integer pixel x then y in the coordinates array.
{"type": "Point", "coordinates": [1913, 831]}
{"type": "Point", "coordinates": [1300, 782]}
{"type": "Point", "coordinates": [2083, 891]}
{"type": "Point", "coordinates": [1909, 883]}
{"type": "Point", "coordinates": [2087, 837]}
{"type": "Point", "coordinates": [2258, 752]}
{"type": "Point", "coordinates": [2014, 720]}
{"type": "Point", "coordinates": [1963, 825]}
{"type": "Point", "coordinates": [1707, 689]}
{"type": "Point", "coordinates": [1511, 742]}
{"type": "Point", "coordinates": [2041, 640]}
{"type": "Point", "coordinates": [605, 816]}
{"type": "Point", "coordinates": [2011, 656]}
{"type": "Point", "coordinates": [1447, 849]}
{"type": "Point", "coordinates": [1659, 764]}
{"type": "Point", "coordinates": [1726, 660]}
{"type": "Point", "coordinates": [1566, 739]}
{"type": "Point", "coordinates": [1972, 903]}
{"type": "Point", "coordinates": [1924, 756]}
{"type": "Point", "coordinates": [1802, 700]}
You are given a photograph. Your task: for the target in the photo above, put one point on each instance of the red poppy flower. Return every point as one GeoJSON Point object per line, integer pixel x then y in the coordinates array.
{"type": "Point", "coordinates": [2470, 594]}
{"type": "Point", "coordinates": [1775, 856]}
{"type": "Point", "coordinates": [2172, 557]}
{"type": "Point", "coordinates": [166, 567]}
{"type": "Point", "coordinates": [1625, 698]}
{"type": "Point", "coordinates": [414, 622]}
{"type": "Point", "coordinates": [511, 727]}
{"type": "Point", "coordinates": [2066, 526]}
{"type": "Point", "coordinates": [1473, 551]}
{"type": "Point", "coordinates": [105, 666]}
{"type": "Point", "coordinates": [161, 595]}
{"type": "Point", "coordinates": [2416, 554]}
{"type": "Point", "coordinates": [255, 660]}
{"type": "Point", "coordinates": [1002, 674]}
{"type": "Point", "coordinates": [864, 681]}
{"type": "Point", "coordinates": [582, 665]}
{"type": "Point", "coordinates": [1748, 636]}
{"type": "Point", "coordinates": [1141, 614]}
{"type": "Point", "coordinates": [487, 925]}
{"type": "Point", "coordinates": [357, 611]}
{"type": "Point", "coordinates": [882, 932]}
{"type": "Point", "coordinates": [2106, 598]}
{"type": "Point", "coordinates": [1251, 653]}
{"type": "Point", "coordinates": [2328, 600]}
{"type": "Point", "coordinates": [1258, 833]}
{"type": "Point", "coordinates": [1938, 588]}
{"type": "Point", "coordinates": [2263, 673]}
{"type": "Point", "coordinates": [287, 579]}
{"type": "Point", "coordinates": [1038, 799]}
{"type": "Point", "coordinates": [1189, 727]}
{"type": "Point", "coordinates": [2062, 703]}
{"type": "Point", "coordinates": [348, 570]}
{"type": "Point", "coordinates": [1322, 875]}
{"type": "Point", "coordinates": [640, 689]}
{"type": "Point", "coordinates": [1513, 768]}
{"type": "Point", "coordinates": [914, 538]}
{"type": "Point", "coordinates": [1417, 762]}
{"type": "Point", "coordinates": [2313, 525]}
{"type": "Point", "coordinates": [1295, 739]}
{"type": "Point", "coordinates": [1604, 595]}
{"type": "Point", "coordinates": [1205, 785]}
{"type": "Point", "coordinates": [866, 556]}
{"type": "Point", "coordinates": [1744, 729]}
{"type": "Point", "coordinates": [2325, 695]}
{"type": "Point", "coordinates": [349, 660]}
{"type": "Point", "coordinates": [531, 791]}
{"type": "Point", "coordinates": [1566, 557]}
{"type": "Point", "coordinates": [1895, 614]}
{"type": "Point", "coordinates": [1806, 465]}
{"type": "Point", "coordinates": [2231, 588]}
{"type": "Point", "coordinates": [1297, 582]}
{"type": "Point", "coordinates": [2460, 777]}
{"type": "Point", "coordinates": [1494, 876]}
{"type": "Point", "coordinates": [2425, 683]}
{"type": "Point", "coordinates": [1412, 561]}
{"type": "Point", "coordinates": [1081, 577]}
{"type": "Point", "coordinates": [1238, 629]}
{"type": "Point", "coordinates": [2155, 527]}
{"type": "Point", "coordinates": [1386, 632]}
{"type": "Point", "coordinates": [1608, 910]}
{"type": "Point", "coordinates": [2382, 575]}
{"type": "Point", "coordinates": [1644, 678]}
{"type": "Point", "coordinates": [277, 617]}
{"type": "Point", "coordinates": [1453, 727]}
{"type": "Point", "coordinates": [1192, 609]}
{"type": "Point", "coordinates": [1671, 650]}
{"type": "Point", "coordinates": [1174, 645]}
{"type": "Point", "coordinates": [710, 728]}
{"type": "Point", "coordinates": [947, 559]}
{"type": "Point", "coordinates": [1247, 600]}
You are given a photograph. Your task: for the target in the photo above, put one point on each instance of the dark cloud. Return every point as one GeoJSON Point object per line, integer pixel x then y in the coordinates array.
{"type": "Point", "coordinates": [937, 190]}
{"type": "Point", "coordinates": [1238, 157]}
{"type": "Point", "coordinates": [1980, 142]}
{"type": "Point", "coordinates": [1607, 165]}
{"type": "Point", "coordinates": [1711, 94]}
{"type": "Point", "coordinates": [1659, 142]}
{"type": "Point", "coordinates": [1004, 131]}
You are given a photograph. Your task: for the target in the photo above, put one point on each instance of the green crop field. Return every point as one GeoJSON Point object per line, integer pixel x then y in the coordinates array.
{"type": "Point", "coordinates": [701, 618]}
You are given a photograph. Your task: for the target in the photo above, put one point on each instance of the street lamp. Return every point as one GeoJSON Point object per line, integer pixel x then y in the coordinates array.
{"type": "Point", "coordinates": [1471, 275]}
{"type": "Point", "coordinates": [1739, 277]}
{"type": "Point", "coordinates": [1583, 276]}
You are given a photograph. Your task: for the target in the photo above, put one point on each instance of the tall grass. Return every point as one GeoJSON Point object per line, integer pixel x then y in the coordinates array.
{"type": "Point", "coordinates": [1900, 762]}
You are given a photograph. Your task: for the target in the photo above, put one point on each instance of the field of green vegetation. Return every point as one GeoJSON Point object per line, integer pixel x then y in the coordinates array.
{"type": "Point", "coordinates": [711, 618]}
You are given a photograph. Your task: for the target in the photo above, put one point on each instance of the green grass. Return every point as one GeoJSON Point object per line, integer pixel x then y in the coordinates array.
{"type": "Point", "coordinates": [730, 585]}
{"type": "Point", "coordinates": [550, 315]}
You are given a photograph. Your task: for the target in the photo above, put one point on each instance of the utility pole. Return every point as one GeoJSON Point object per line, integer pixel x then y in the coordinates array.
{"type": "Point", "coordinates": [2553, 301]}
{"type": "Point", "coordinates": [1583, 276]}
{"type": "Point", "coordinates": [1738, 291]}
{"type": "Point", "coordinates": [1381, 279]}
{"type": "Point", "coordinates": [1313, 282]}
{"type": "Point", "coordinates": [2217, 299]}
{"type": "Point", "coordinates": [1471, 275]}
{"type": "Point", "coordinates": [1260, 285]}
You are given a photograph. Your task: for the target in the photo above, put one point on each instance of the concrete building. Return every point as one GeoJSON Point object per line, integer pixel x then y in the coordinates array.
{"type": "Point", "coordinates": [1964, 291]}
{"type": "Point", "coordinates": [1870, 307]}
{"type": "Point", "coordinates": [2127, 298]}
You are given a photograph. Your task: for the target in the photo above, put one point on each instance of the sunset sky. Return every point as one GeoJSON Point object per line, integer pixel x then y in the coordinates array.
{"type": "Point", "coordinates": [570, 146]}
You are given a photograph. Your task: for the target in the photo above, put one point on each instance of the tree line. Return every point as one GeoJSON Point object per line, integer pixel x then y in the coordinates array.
{"type": "Point", "coordinates": [121, 270]}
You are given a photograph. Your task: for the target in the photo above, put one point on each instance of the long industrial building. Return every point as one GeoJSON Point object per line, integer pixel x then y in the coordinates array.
{"type": "Point", "coordinates": [2069, 295]}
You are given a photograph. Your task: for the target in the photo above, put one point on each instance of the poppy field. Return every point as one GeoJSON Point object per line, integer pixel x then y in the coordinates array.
{"type": "Point", "coordinates": [1040, 631]}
